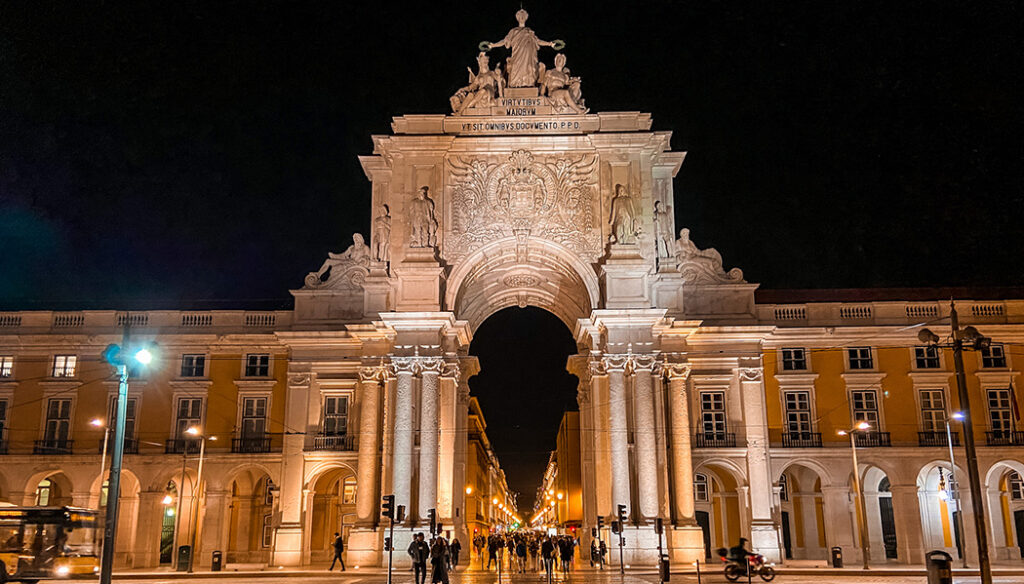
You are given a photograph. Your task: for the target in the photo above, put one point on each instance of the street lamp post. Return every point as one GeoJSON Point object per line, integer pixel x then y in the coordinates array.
{"type": "Point", "coordinates": [862, 523]}
{"type": "Point", "coordinates": [115, 355]}
{"type": "Point", "coordinates": [103, 456]}
{"type": "Point", "coordinates": [953, 487]}
{"type": "Point", "coordinates": [194, 512]}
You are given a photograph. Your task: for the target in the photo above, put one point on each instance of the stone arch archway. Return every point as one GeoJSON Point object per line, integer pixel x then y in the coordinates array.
{"type": "Point", "coordinates": [533, 272]}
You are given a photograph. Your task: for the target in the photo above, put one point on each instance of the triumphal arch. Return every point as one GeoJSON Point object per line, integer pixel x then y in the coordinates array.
{"type": "Point", "coordinates": [526, 195]}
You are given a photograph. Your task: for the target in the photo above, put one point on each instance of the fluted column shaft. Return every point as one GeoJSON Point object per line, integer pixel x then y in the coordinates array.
{"type": "Point", "coordinates": [367, 493]}
{"type": "Point", "coordinates": [645, 442]}
{"type": "Point", "coordinates": [617, 429]}
{"type": "Point", "coordinates": [401, 470]}
{"type": "Point", "coordinates": [682, 454]}
{"type": "Point", "coordinates": [429, 389]}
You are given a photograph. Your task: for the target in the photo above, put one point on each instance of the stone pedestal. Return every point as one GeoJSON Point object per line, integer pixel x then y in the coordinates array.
{"type": "Point", "coordinates": [288, 546]}
{"type": "Point", "coordinates": [624, 275]}
{"type": "Point", "coordinates": [419, 281]}
{"type": "Point", "coordinates": [377, 290]}
{"type": "Point", "coordinates": [686, 544]}
{"type": "Point", "coordinates": [364, 547]}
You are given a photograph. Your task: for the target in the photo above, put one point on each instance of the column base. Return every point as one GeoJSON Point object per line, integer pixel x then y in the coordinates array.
{"type": "Point", "coordinates": [364, 545]}
{"type": "Point", "coordinates": [288, 546]}
{"type": "Point", "coordinates": [640, 549]}
{"type": "Point", "coordinates": [764, 539]}
{"type": "Point", "coordinates": [686, 544]}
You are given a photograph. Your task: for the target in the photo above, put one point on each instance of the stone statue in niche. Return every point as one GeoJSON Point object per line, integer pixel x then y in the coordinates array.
{"type": "Point", "coordinates": [382, 235]}
{"type": "Point", "coordinates": [422, 222]}
{"type": "Point", "coordinates": [338, 264]}
{"type": "Point", "coordinates": [703, 266]}
{"type": "Point", "coordinates": [623, 217]}
{"type": "Point", "coordinates": [523, 44]}
{"type": "Point", "coordinates": [663, 230]}
{"type": "Point", "coordinates": [563, 91]}
{"type": "Point", "coordinates": [484, 87]}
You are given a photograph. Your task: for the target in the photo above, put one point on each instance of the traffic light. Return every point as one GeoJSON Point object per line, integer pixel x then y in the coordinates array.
{"type": "Point", "coordinates": [616, 527]}
{"type": "Point", "coordinates": [659, 526]}
{"type": "Point", "coordinates": [400, 514]}
{"type": "Point", "coordinates": [387, 544]}
{"type": "Point", "coordinates": [600, 522]}
{"type": "Point", "coordinates": [432, 514]}
{"type": "Point", "coordinates": [593, 532]}
{"type": "Point", "coordinates": [387, 508]}
{"type": "Point", "coordinates": [622, 516]}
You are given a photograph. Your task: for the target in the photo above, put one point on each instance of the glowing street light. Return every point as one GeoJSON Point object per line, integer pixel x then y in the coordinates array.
{"type": "Point", "coordinates": [865, 544]}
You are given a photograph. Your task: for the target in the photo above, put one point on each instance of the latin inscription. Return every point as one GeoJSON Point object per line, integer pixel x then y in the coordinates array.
{"type": "Point", "coordinates": [553, 126]}
{"type": "Point", "coordinates": [521, 106]}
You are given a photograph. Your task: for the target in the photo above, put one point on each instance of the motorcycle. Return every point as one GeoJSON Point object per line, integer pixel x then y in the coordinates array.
{"type": "Point", "coordinates": [755, 564]}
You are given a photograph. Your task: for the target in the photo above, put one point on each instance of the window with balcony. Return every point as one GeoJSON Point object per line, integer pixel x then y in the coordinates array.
{"type": "Point", "coordinates": [6, 366]}
{"type": "Point", "coordinates": [865, 407]}
{"type": "Point", "coordinates": [926, 357]}
{"type": "Point", "coordinates": [189, 415]}
{"type": "Point", "coordinates": [131, 410]}
{"type": "Point", "coordinates": [253, 427]}
{"type": "Point", "coordinates": [333, 425]}
{"type": "Point", "coordinates": [57, 429]}
{"type": "Point", "coordinates": [257, 365]}
{"type": "Point", "coordinates": [860, 358]}
{"type": "Point", "coordinates": [1000, 411]}
{"type": "Point", "coordinates": [193, 365]}
{"type": "Point", "coordinates": [993, 357]}
{"type": "Point", "coordinates": [64, 365]}
{"type": "Point", "coordinates": [712, 412]}
{"type": "Point", "coordinates": [933, 410]}
{"type": "Point", "coordinates": [798, 413]}
{"type": "Point", "coordinates": [794, 359]}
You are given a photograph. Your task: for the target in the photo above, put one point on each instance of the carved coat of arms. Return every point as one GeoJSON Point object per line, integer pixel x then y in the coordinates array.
{"type": "Point", "coordinates": [523, 196]}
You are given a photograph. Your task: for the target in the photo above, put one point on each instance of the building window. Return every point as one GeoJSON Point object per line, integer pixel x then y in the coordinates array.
{"type": "Point", "coordinates": [254, 417]}
{"type": "Point", "coordinates": [348, 491]}
{"type": "Point", "coordinates": [783, 488]}
{"type": "Point", "coordinates": [64, 365]}
{"type": "Point", "coordinates": [257, 365]}
{"type": "Point", "coordinates": [798, 414]}
{"type": "Point", "coordinates": [335, 421]}
{"type": "Point", "coordinates": [933, 410]}
{"type": "Point", "coordinates": [1015, 486]}
{"type": "Point", "coordinates": [1000, 412]}
{"type": "Point", "coordinates": [189, 414]}
{"type": "Point", "coordinates": [865, 407]}
{"type": "Point", "coordinates": [130, 413]}
{"type": "Point", "coordinates": [43, 491]}
{"type": "Point", "coordinates": [701, 492]}
{"type": "Point", "coordinates": [193, 365]}
{"type": "Point", "coordinates": [860, 358]}
{"type": "Point", "coordinates": [794, 359]}
{"type": "Point", "coordinates": [268, 493]}
{"type": "Point", "coordinates": [926, 357]}
{"type": "Point", "coordinates": [993, 357]}
{"type": "Point", "coordinates": [712, 411]}
{"type": "Point", "coordinates": [268, 531]}
{"type": "Point", "coordinates": [6, 365]}
{"type": "Point", "coordinates": [3, 419]}
{"type": "Point", "coordinates": [58, 420]}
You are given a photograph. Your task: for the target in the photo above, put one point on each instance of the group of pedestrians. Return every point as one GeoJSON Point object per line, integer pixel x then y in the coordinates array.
{"type": "Point", "coordinates": [527, 551]}
{"type": "Point", "coordinates": [443, 556]}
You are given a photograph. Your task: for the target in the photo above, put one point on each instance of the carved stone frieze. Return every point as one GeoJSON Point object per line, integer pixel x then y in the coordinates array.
{"type": "Point", "coordinates": [523, 195]}
{"type": "Point", "coordinates": [676, 371]}
{"type": "Point", "coordinates": [751, 373]}
{"type": "Point", "coordinates": [299, 379]}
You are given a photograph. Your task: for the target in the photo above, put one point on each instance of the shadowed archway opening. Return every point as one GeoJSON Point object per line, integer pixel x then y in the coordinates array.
{"type": "Point", "coordinates": [523, 389]}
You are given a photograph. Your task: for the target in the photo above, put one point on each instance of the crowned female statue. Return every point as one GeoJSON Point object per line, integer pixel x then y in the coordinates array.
{"type": "Point", "coordinates": [523, 43]}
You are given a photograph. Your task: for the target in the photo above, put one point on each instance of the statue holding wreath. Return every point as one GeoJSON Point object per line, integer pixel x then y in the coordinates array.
{"type": "Point", "coordinates": [522, 65]}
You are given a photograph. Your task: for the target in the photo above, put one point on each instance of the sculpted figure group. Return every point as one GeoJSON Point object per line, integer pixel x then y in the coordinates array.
{"type": "Point", "coordinates": [522, 69]}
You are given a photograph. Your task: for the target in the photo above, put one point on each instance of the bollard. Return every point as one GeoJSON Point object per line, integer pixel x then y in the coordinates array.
{"type": "Point", "coordinates": [940, 567]}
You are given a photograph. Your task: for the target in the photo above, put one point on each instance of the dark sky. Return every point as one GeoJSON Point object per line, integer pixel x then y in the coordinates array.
{"type": "Point", "coordinates": [163, 154]}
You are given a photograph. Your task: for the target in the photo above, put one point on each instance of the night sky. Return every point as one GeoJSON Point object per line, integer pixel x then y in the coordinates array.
{"type": "Point", "coordinates": [203, 154]}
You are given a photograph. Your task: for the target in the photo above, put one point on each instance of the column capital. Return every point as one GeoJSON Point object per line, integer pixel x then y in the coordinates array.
{"type": "Point", "coordinates": [432, 365]}
{"type": "Point", "coordinates": [617, 361]}
{"type": "Point", "coordinates": [597, 367]}
{"type": "Point", "coordinates": [648, 363]}
{"type": "Point", "coordinates": [676, 371]}
{"type": "Point", "coordinates": [377, 373]}
{"type": "Point", "coordinates": [751, 373]}
{"type": "Point", "coordinates": [452, 370]}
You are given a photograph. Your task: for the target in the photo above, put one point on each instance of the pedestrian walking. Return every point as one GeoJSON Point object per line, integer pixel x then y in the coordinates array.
{"type": "Point", "coordinates": [547, 554]}
{"type": "Point", "coordinates": [492, 551]}
{"type": "Point", "coordinates": [419, 551]}
{"type": "Point", "coordinates": [439, 558]}
{"type": "Point", "coordinates": [339, 548]}
{"type": "Point", "coordinates": [455, 548]}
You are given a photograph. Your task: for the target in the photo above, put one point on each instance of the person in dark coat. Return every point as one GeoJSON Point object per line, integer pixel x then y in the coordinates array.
{"type": "Point", "coordinates": [439, 558]}
{"type": "Point", "coordinates": [547, 554]}
{"type": "Point", "coordinates": [455, 549]}
{"type": "Point", "coordinates": [419, 551]}
{"type": "Point", "coordinates": [339, 548]}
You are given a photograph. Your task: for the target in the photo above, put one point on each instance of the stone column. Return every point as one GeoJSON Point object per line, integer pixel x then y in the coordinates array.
{"type": "Point", "coordinates": [645, 443]}
{"type": "Point", "coordinates": [617, 430]}
{"type": "Point", "coordinates": [401, 468]}
{"type": "Point", "coordinates": [906, 506]}
{"type": "Point", "coordinates": [147, 544]}
{"type": "Point", "coordinates": [764, 534]}
{"type": "Point", "coordinates": [429, 397]}
{"type": "Point", "coordinates": [289, 541]}
{"type": "Point", "coordinates": [840, 523]}
{"type": "Point", "coordinates": [682, 455]}
{"type": "Point", "coordinates": [370, 386]}
{"type": "Point", "coordinates": [215, 521]}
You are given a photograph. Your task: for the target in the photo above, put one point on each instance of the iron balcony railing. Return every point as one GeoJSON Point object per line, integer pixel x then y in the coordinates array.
{"type": "Point", "coordinates": [251, 444]}
{"type": "Point", "coordinates": [335, 442]}
{"type": "Point", "coordinates": [801, 439]}
{"type": "Point", "coordinates": [869, 439]}
{"type": "Point", "coordinates": [1004, 438]}
{"type": "Point", "coordinates": [182, 446]}
{"type": "Point", "coordinates": [937, 438]}
{"type": "Point", "coordinates": [53, 446]}
{"type": "Point", "coordinates": [131, 446]}
{"type": "Point", "coordinates": [716, 440]}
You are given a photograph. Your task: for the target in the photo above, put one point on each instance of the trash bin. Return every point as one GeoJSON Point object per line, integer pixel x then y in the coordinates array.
{"type": "Point", "coordinates": [663, 569]}
{"type": "Point", "coordinates": [218, 561]}
{"type": "Point", "coordinates": [184, 555]}
{"type": "Point", "coordinates": [940, 567]}
{"type": "Point", "coordinates": [837, 557]}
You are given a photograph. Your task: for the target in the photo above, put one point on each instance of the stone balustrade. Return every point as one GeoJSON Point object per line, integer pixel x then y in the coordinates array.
{"type": "Point", "coordinates": [888, 312]}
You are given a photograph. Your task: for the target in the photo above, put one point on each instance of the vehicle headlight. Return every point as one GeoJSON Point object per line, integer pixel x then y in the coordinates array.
{"type": "Point", "coordinates": [63, 571]}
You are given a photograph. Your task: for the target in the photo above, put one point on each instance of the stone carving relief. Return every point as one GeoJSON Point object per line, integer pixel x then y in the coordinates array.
{"type": "Point", "coordinates": [422, 221]}
{"type": "Point", "coordinates": [382, 235]}
{"type": "Point", "coordinates": [484, 88]}
{"type": "Point", "coordinates": [703, 266]}
{"type": "Point", "coordinates": [625, 227]}
{"type": "Point", "coordinates": [563, 91]}
{"type": "Point", "coordinates": [523, 196]}
{"type": "Point", "coordinates": [343, 271]}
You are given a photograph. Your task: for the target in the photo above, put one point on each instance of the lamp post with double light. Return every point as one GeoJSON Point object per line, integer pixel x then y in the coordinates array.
{"type": "Point", "coordinates": [862, 523]}
{"type": "Point", "coordinates": [120, 356]}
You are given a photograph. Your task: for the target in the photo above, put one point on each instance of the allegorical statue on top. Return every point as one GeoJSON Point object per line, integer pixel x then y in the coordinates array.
{"type": "Point", "coordinates": [702, 266]}
{"type": "Point", "coordinates": [554, 88]}
{"type": "Point", "coordinates": [344, 269]}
